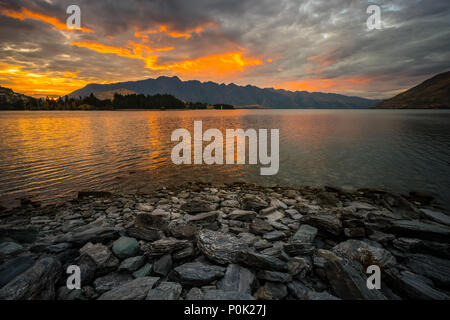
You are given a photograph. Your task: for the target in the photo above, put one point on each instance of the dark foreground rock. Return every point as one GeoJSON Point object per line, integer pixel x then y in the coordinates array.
{"type": "Point", "coordinates": [228, 242]}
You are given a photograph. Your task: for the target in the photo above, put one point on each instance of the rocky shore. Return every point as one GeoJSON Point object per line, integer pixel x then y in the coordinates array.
{"type": "Point", "coordinates": [232, 241]}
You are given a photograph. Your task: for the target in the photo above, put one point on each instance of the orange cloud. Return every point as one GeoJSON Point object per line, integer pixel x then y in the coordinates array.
{"type": "Point", "coordinates": [144, 35]}
{"type": "Point", "coordinates": [39, 84]}
{"type": "Point", "coordinates": [24, 13]}
{"type": "Point", "coordinates": [212, 65]}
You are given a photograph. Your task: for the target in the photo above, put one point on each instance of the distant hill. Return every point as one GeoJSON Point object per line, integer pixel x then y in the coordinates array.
{"type": "Point", "coordinates": [11, 98]}
{"type": "Point", "coordinates": [110, 94]}
{"type": "Point", "coordinates": [433, 93]}
{"type": "Point", "coordinates": [214, 93]}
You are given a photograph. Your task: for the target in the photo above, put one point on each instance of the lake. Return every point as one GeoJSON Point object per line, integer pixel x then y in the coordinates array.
{"type": "Point", "coordinates": [50, 155]}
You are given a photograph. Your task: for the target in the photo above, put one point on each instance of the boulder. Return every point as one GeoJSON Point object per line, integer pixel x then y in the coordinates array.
{"type": "Point", "coordinates": [136, 289]}
{"type": "Point", "coordinates": [94, 234]}
{"type": "Point", "coordinates": [220, 247]}
{"type": "Point", "coordinates": [194, 294]}
{"type": "Point", "coordinates": [163, 265]}
{"type": "Point", "coordinates": [431, 267]}
{"type": "Point", "coordinates": [271, 291]}
{"type": "Point", "coordinates": [237, 279]}
{"type": "Point", "coordinates": [36, 283]}
{"type": "Point", "coordinates": [274, 235]}
{"type": "Point", "coordinates": [11, 269]}
{"type": "Point", "coordinates": [261, 261]}
{"type": "Point", "coordinates": [305, 233]}
{"type": "Point", "coordinates": [259, 226]}
{"type": "Point", "coordinates": [198, 205]}
{"type": "Point", "coordinates": [242, 215]}
{"type": "Point", "coordinates": [165, 291]}
{"type": "Point", "coordinates": [125, 247]}
{"type": "Point", "coordinates": [365, 254]}
{"type": "Point", "coordinates": [196, 274]}
{"type": "Point", "coordinates": [326, 222]}
{"type": "Point", "coordinates": [436, 216]}
{"type": "Point", "coordinates": [346, 278]}
{"type": "Point", "coordinates": [144, 271]}
{"type": "Point", "coordinates": [98, 255]}
{"type": "Point", "coordinates": [164, 246]}
{"type": "Point", "coordinates": [110, 281]}
{"type": "Point", "coordinates": [253, 202]}
{"type": "Point", "coordinates": [413, 286]}
{"type": "Point", "coordinates": [132, 264]}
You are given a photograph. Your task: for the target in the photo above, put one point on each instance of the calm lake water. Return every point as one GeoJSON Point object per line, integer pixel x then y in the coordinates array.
{"type": "Point", "coordinates": [49, 156]}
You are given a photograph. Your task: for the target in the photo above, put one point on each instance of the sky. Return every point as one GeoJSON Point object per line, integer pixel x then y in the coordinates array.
{"type": "Point", "coordinates": [311, 45]}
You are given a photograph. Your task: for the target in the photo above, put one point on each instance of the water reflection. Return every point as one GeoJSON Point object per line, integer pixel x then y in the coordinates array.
{"type": "Point", "coordinates": [51, 155]}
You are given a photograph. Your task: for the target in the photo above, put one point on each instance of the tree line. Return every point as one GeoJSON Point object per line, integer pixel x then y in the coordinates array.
{"type": "Point", "coordinates": [91, 102]}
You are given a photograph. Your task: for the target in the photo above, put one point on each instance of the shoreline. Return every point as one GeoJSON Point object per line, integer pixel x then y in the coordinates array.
{"type": "Point", "coordinates": [228, 241]}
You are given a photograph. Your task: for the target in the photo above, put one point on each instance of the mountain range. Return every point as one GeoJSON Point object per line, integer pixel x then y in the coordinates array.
{"type": "Point", "coordinates": [240, 96]}
{"type": "Point", "coordinates": [433, 93]}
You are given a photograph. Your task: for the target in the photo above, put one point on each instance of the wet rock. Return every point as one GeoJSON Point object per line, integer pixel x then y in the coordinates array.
{"type": "Point", "coordinates": [314, 295]}
{"type": "Point", "coordinates": [11, 269]}
{"type": "Point", "coordinates": [196, 274]}
{"type": "Point", "coordinates": [274, 235]}
{"type": "Point", "coordinates": [274, 276]}
{"type": "Point", "coordinates": [19, 234]}
{"type": "Point", "coordinates": [164, 246]}
{"type": "Point", "coordinates": [10, 249]}
{"type": "Point", "coordinates": [298, 290]}
{"type": "Point", "coordinates": [95, 234]}
{"type": "Point", "coordinates": [184, 253]}
{"type": "Point", "coordinates": [144, 271]}
{"type": "Point", "coordinates": [165, 291]}
{"type": "Point", "coordinates": [419, 230]}
{"type": "Point", "coordinates": [347, 279]}
{"type": "Point", "coordinates": [194, 294]}
{"type": "Point", "coordinates": [226, 295]}
{"type": "Point", "coordinates": [110, 281]}
{"type": "Point", "coordinates": [149, 226]}
{"type": "Point", "coordinates": [125, 247]}
{"type": "Point", "coordinates": [219, 247]}
{"type": "Point", "coordinates": [202, 218]}
{"type": "Point", "coordinates": [326, 222]}
{"type": "Point", "coordinates": [136, 289]}
{"type": "Point", "coordinates": [253, 202]}
{"type": "Point", "coordinates": [365, 254]}
{"type": "Point", "coordinates": [99, 256]}
{"type": "Point", "coordinates": [260, 227]}
{"type": "Point", "coordinates": [271, 291]}
{"type": "Point", "coordinates": [237, 279]}
{"type": "Point", "coordinates": [305, 233]}
{"type": "Point", "coordinates": [413, 285]}
{"type": "Point", "coordinates": [198, 205]}
{"type": "Point", "coordinates": [431, 267]}
{"type": "Point", "coordinates": [296, 248]}
{"type": "Point", "coordinates": [36, 283]}
{"type": "Point", "coordinates": [242, 215]}
{"type": "Point", "coordinates": [261, 261]}
{"type": "Point", "coordinates": [436, 216]}
{"type": "Point", "coordinates": [163, 265]}
{"type": "Point", "coordinates": [132, 264]}
{"type": "Point", "coordinates": [298, 267]}
{"type": "Point", "coordinates": [354, 232]}
{"type": "Point", "coordinates": [262, 244]}
{"type": "Point", "coordinates": [182, 231]}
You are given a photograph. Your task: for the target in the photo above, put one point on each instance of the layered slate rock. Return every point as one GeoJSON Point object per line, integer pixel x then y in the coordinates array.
{"type": "Point", "coordinates": [98, 255]}
{"type": "Point", "coordinates": [219, 247]}
{"type": "Point", "coordinates": [136, 289]}
{"type": "Point", "coordinates": [413, 286]}
{"type": "Point", "coordinates": [165, 291]}
{"type": "Point", "coordinates": [11, 269]}
{"type": "Point", "coordinates": [242, 215]}
{"type": "Point", "coordinates": [196, 274]}
{"type": "Point", "coordinates": [194, 206]}
{"type": "Point", "coordinates": [261, 261]}
{"type": "Point", "coordinates": [431, 267]}
{"type": "Point", "coordinates": [94, 234]}
{"type": "Point", "coordinates": [347, 279]}
{"type": "Point", "coordinates": [365, 254]}
{"type": "Point", "coordinates": [326, 222]}
{"type": "Point", "coordinates": [148, 227]}
{"type": "Point", "coordinates": [271, 291]}
{"type": "Point", "coordinates": [436, 216]}
{"type": "Point", "coordinates": [110, 281]}
{"type": "Point", "coordinates": [237, 279]}
{"type": "Point", "coordinates": [164, 246]}
{"type": "Point", "coordinates": [253, 202]}
{"type": "Point", "coordinates": [36, 283]}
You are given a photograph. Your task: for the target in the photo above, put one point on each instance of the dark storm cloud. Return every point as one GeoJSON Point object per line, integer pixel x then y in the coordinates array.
{"type": "Point", "coordinates": [307, 41]}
